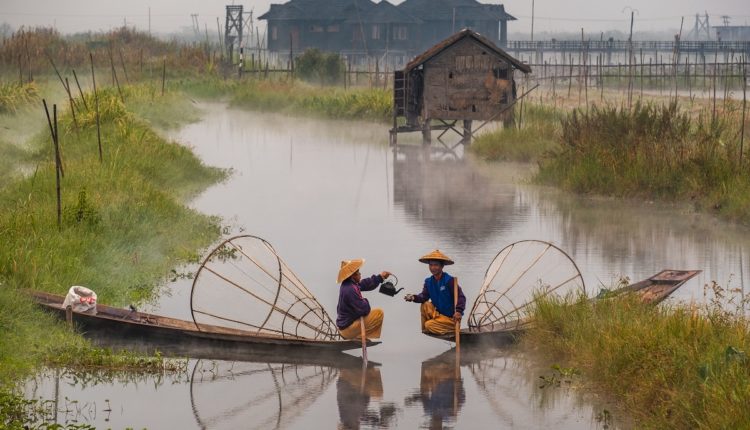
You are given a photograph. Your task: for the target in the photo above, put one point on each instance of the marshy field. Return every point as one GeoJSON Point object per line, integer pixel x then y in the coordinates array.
{"type": "Point", "coordinates": [164, 148]}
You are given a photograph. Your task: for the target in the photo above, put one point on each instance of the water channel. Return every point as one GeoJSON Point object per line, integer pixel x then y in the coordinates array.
{"type": "Point", "coordinates": [323, 191]}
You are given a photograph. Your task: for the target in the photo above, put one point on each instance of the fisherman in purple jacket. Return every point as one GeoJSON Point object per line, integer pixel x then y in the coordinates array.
{"type": "Point", "coordinates": [439, 315]}
{"type": "Point", "coordinates": [352, 306]}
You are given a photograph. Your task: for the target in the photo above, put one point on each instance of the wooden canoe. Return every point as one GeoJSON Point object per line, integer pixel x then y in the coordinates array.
{"type": "Point", "coordinates": [652, 290]}
{"type": "Point", "coordinates": [124, 323]}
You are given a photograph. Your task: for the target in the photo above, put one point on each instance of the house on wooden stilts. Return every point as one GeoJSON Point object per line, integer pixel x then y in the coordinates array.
{"type": "Point", "coordinates": [464, 78]}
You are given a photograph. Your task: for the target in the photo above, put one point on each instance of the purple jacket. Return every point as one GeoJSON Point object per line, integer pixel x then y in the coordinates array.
{"type": "Point", "coordinates": [351, 303]}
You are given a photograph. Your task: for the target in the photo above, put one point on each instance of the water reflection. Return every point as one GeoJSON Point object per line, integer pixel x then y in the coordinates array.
{"type": "Point", "coordinates": [449, 196]}
{"type": "Point", "coordinates": [562, 403]}
{"type": "Point", "coordinates": [254, 395]}
{"type": "Point", "coordinates": [355, 389]}
{"type": "Point", "coordinates": [441, 391]}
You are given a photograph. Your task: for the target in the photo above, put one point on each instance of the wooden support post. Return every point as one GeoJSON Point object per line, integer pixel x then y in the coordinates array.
{"type": "Point", "coordinates": [467, 133]}
{"type": "Point", "coordinates": [426, 132]}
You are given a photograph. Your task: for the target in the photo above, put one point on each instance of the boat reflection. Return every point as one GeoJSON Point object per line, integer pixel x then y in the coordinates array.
{"type": "Point", "coordinates": [356, 389]}
{"type": "Point", "coordinates": [441, 390]}
{"type": "Point", "coordinates": [255, 395]}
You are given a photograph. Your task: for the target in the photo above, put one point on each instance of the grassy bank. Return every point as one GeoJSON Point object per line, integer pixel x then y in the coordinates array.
{"type": "Point", "coordinates": [667, 367]}
{"type": "Point", "coordinates": [538, 135]}
{"type": "Point", "coordinates": [656, 152]}
{"type": "Point", "coordinates": [124, 223]}
{"type": "Point", "coordinates": [325, 102]}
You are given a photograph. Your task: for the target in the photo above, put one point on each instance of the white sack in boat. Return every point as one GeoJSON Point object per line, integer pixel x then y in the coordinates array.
{"type": "Point", "coordinates": [82, 299]}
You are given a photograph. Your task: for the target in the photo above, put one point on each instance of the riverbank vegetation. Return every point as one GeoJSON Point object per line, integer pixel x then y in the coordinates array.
{"type": "Point", "coordinates": [123, 222]}
{"type": "Point", "coordinates": [538, 135]}
{"type": "Point", "coordinates": [668, 366]}
{"type": "Point", "coordinates": [654, 151]}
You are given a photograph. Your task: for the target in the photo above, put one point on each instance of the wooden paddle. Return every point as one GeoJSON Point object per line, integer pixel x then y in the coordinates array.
{"type": "Point", "coordinates": [458, 323]}
{"type": "Point", "coordinates": [364, 339]}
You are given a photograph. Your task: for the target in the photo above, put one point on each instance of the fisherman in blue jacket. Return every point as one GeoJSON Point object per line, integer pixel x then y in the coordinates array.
{"type": "Point", "coordinates": [439, 315]}
{"type": "Point", "coordinates": [352, 306]}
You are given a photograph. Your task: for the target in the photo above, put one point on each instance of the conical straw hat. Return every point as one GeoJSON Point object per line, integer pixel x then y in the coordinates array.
{"type": "Point", "coordinates": [348, 267]}
{"type": "Point", "coordinates": [436, 255]}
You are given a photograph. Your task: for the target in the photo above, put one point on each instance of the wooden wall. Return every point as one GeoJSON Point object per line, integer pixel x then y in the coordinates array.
{"type": "Point", "coordinates": [466, 81]}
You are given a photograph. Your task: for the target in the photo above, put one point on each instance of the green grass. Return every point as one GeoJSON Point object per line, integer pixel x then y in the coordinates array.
{"type": "Point", "coordinates": [538, 135]}
{"type": "Point", "coordinates": [124, 223]}
{"type": "Point", "coordinates": [666, 367]}
{"type": "Point", "coordinates": [653, 151]}
{"type": "Point", "coordinates": [15, 96]}
{"type": "Point", "coordinates": [324, 102]}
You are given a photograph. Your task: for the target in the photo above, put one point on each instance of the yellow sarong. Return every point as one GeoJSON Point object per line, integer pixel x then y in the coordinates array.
{"type": "Point", "coordinates": [434, 322]}
{"type": "Point", "coordinates": [373, 325]}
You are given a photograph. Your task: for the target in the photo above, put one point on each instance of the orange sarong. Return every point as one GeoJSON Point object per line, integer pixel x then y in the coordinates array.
{"type": "Point", "coordinates": [373, 325]}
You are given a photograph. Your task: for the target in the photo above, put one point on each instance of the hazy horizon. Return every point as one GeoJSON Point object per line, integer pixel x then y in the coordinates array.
{"type": "Point", "coordinates": [170, 16]}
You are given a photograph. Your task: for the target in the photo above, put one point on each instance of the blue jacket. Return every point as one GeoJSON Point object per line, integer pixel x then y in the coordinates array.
{"type": "Point", "coordinates": [441, 294]}
{"type": "Point", "coordinates": [351, 303]}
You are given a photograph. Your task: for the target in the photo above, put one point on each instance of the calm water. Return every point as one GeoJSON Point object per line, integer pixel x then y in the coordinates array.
{"type": "Point", "coordinates": [322, 191]}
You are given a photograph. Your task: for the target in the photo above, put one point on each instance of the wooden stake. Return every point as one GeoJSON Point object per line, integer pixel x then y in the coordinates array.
{"type": "Point", "coordinates": [163, 74]}
{"type": "Point", "coordinates": [53, 134]}
{"type": "Point", "coordinates": [96, 104]}
{"type": "Point", "coordinates": [72, 105]}
{"type": "Point", "coordinates": [114, 74]}
{"type": "Point", "coordinates": [124, 70]}
{"type": "Point", "coordinates": [80, 91]}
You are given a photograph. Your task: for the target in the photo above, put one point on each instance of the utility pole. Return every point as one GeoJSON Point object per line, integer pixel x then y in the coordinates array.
{"type": "Point", "coordinates": [149, 20]}
{"type": "Point", "coordinates": [532, 20]}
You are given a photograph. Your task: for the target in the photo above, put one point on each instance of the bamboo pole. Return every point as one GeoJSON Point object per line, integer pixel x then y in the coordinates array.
{"type": "Point", "coordinates": [163, 74]}
{"type": "Point", "coordinates": [744, 108]}
{"type": "Point", "coordinates": [114, 74]}
{"type": "Point", "coordinates": [72, 105]}
{"type": "Point", "coordinates": [362, 334]}
{"type": "Point", "coordinates": [96, 105]}
{"type": "Point", "coordinates": [53, 134]}
{"type": "Point", "coordinates": [458, 322]}
{"type": "Point", "coordinates": [80, 92]}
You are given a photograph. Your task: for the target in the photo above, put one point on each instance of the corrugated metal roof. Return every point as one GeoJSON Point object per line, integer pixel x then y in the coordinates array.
{"type": "Point", "coordinates": [440, 47]}
{"type": "Point", "coordinates": [325, 10]}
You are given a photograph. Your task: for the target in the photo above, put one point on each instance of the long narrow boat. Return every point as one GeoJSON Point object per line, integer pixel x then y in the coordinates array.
{"type": "Point", "coordinates": [652, 290]}
{"type": "Point", "coordinates": [111, 321]}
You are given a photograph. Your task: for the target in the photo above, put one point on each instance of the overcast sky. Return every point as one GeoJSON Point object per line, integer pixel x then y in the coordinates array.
{"type": "Point", "coordinates": [553, 15]}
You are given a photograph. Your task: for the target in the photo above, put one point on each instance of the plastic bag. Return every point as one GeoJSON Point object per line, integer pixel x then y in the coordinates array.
{"type": "Point", "coordinates": [81, 299]}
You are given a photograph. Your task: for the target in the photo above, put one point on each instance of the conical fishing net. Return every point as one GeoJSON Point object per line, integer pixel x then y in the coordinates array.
{"type": "Point", "coordinates": [520, 273]}
{"type": "Point", "coordinates": [244, 284]}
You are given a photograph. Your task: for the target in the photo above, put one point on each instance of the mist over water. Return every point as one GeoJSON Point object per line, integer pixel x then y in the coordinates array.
{"type": "Point", "coordinates": [323, 191]}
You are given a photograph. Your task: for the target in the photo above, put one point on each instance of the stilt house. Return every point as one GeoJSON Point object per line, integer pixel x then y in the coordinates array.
{"type": "Point", "coordinates": [464, 77]}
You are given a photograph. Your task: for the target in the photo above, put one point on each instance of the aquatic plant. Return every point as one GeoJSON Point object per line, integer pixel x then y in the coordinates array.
{"type": "Point", "coordinates": [327, 102]}
{"type": "Point", "coordinates": [668, 367]}
{"type": "Point", "coordinates": [653, 151]}
{"type": "Point", "coordinates": [320, 67]}
{"type": "Point", "coordinates": [536, 134]}
{"type": "Point", "coordinates": [14, 96]}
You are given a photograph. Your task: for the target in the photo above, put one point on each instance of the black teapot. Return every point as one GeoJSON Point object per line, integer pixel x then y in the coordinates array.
{"type": "Point", "coordinates": [389, 288]}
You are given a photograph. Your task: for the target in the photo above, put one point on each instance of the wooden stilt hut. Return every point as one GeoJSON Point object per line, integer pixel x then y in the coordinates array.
{"type": "Point", "coordinates": [464, 78]}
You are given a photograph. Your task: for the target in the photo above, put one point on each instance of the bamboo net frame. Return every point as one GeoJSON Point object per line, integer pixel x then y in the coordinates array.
{"type": "Point", "coordinates": [244, 284]}
{"type": "Point", "coordinates": [521, 273]}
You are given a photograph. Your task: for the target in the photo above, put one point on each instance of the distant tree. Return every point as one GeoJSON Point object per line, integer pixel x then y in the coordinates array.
{"type": "Point", "coordinates": [6, 30]}
{"type": "Point", "coordinates": [320, 67]}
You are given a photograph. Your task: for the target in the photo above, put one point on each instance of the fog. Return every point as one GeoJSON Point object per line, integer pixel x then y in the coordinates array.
{"type": "Point", "coordinates": [169, 16]}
